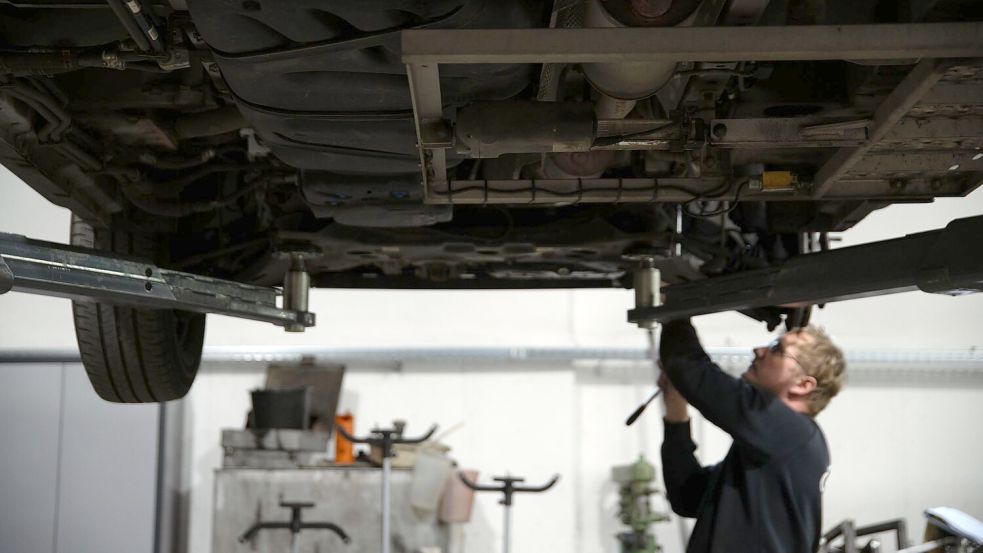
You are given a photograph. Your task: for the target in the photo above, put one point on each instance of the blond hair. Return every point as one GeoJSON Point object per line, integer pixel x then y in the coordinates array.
{"type": "Point", "coordinates": [822, 360]}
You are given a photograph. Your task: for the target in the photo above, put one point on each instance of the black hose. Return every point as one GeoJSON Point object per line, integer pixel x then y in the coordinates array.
{"type": "Point", "coordinates": [177, 162]}
{"type": "Point", "coordinates": [210, 123]}
{"type": "Point", "coordinates": [154, 206]}
{"type": "Point", "coordinates": [184, 181]}
{"type": "Point", "coordinates": [58, 122]}
{"type": "Point", "coordinates": [64, 118]}
{"type": "Point", "coordinates": [186, 262]}
{"type": "Point", "coordinates": [51, 122]}
{"type": "Point", "coordinates": [81, 156]}
{"type": "Point", "coordinates": [45, 106]}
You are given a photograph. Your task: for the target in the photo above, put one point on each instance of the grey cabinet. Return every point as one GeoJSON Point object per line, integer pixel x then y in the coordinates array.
{"type": "Point", "coordinates": [77, 474]}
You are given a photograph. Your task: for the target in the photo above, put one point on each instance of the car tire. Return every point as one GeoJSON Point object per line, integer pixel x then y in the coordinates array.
{"type": "Point", "coordinates": [134, 355]}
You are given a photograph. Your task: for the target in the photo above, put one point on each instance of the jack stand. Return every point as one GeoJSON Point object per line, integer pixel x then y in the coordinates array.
{"type": "Point", "coordinates": [508, 488]}
{"type": "Point", "coordinates": [294, 525]}
{"type": "Point", "coordinates": [384, 439]}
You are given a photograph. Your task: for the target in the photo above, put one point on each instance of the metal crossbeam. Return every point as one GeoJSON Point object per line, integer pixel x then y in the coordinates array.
{"type": "Point", "coordinates": [785, 133]}
{"type": "Point", "coordinates": [787, 43]}
{"type": "Point", "coordinates": [944, 261]}
{"type": "Point", "coordinates": [51, 269]}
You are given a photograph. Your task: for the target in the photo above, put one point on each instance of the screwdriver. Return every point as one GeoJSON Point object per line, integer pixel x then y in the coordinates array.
{"type": "Point", "coordinates": [641, 408]}
{"type": "Point", "coordinates": [653, 354]}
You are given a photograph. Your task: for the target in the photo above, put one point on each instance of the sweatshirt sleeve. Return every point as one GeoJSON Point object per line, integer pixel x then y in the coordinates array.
{"type": "Point", "coordinates": [752, 416]}
{"type": "Point", "coordinates": [686, 481]}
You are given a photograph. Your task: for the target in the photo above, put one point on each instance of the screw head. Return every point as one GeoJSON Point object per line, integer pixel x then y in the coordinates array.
{"type": "Point", "coordinates": [897, 184]}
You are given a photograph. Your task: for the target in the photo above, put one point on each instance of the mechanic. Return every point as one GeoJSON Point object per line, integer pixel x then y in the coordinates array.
{"type": "Point", "coordinates": [765, 496]}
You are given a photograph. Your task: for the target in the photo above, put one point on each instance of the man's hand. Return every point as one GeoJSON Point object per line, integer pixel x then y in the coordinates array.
{"type": "Point", "coordinates": [676, 405]}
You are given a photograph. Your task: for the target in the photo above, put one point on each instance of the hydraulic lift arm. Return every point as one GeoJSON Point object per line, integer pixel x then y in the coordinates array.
{"type": "Point", "coordinates": [944, 261]}
{"type": "Point", "coordinates": [51, 269]}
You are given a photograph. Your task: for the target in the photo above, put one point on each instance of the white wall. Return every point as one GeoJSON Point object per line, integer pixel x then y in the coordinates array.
{"type": "Point", "coordinates": [897, 447]}
{"type": "Point", "coordinates": [887, 443]}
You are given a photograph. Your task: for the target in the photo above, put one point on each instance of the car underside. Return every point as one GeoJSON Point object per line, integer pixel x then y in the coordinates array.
{"type": "Point", "coordinates": [230, 139]}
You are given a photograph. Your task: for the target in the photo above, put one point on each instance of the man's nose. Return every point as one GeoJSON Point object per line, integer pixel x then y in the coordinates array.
{"type": "Point", "coordinates": [759, 352]}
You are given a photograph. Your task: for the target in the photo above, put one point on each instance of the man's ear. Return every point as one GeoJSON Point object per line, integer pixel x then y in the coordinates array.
{"type": "Point", "coordinates": [804, 386]}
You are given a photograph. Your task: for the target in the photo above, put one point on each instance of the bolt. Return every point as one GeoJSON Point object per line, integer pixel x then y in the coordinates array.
{"type": "Point", "coordinates": [936, 184]}
{"type": "Point", "coordinates": [898, 185]}
{"type": "Point", "coordinates": [719, 130]}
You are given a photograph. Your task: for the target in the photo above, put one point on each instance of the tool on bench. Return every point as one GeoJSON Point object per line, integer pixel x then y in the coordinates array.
{"type": "Point", "coordinates": [508, 488]}
{"type": "Point", "coordinates": [384, 439]}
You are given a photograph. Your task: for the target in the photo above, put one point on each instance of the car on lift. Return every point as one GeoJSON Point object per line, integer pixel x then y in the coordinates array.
{"type": "Point", "coordinates": [227, 139]}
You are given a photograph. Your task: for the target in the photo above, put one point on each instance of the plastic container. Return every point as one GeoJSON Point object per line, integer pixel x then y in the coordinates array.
{"type": "Point", "coordinates": [455, 505]}
{"type": "Point", "coordinates": [429, 476]}
{"type": "Point", "coordinates": [282, 408]}
{"type": "Point", "coordinates": [344, 452]}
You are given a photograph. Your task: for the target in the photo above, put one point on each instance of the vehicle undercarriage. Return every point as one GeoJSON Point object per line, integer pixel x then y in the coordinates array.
{"type": "Point", "coordinates": [468, 144]}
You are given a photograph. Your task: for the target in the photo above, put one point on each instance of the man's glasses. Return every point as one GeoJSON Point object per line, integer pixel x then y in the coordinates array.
{"type": "Point", "coordinates": [776, 347]}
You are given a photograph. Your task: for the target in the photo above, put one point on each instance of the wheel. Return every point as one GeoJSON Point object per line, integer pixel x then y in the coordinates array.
{"type": "Point", "coordinates": [134, 355]}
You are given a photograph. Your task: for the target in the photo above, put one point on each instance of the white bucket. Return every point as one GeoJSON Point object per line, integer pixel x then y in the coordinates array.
{"type": "Point", "coordinates": [429, 476]}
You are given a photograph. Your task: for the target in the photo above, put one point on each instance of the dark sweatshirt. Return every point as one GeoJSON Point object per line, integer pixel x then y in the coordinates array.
{"type": "Point", "coordinates": [765, 496]}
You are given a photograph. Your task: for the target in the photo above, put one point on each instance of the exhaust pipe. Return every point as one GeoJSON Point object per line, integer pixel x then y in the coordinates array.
{"type": "Point", "coordinates": [622, 84]}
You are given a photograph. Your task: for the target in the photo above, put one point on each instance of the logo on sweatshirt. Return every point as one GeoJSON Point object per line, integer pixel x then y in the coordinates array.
{"type": "Point", "coordinates": [824, 478]}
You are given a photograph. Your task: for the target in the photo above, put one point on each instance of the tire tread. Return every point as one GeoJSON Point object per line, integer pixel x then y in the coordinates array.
{"type": "Point", "coordinates": [133, 355]}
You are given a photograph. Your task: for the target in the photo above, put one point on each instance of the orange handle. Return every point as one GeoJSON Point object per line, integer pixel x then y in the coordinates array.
{"type": "Point", "coordinates": [343, 449]}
